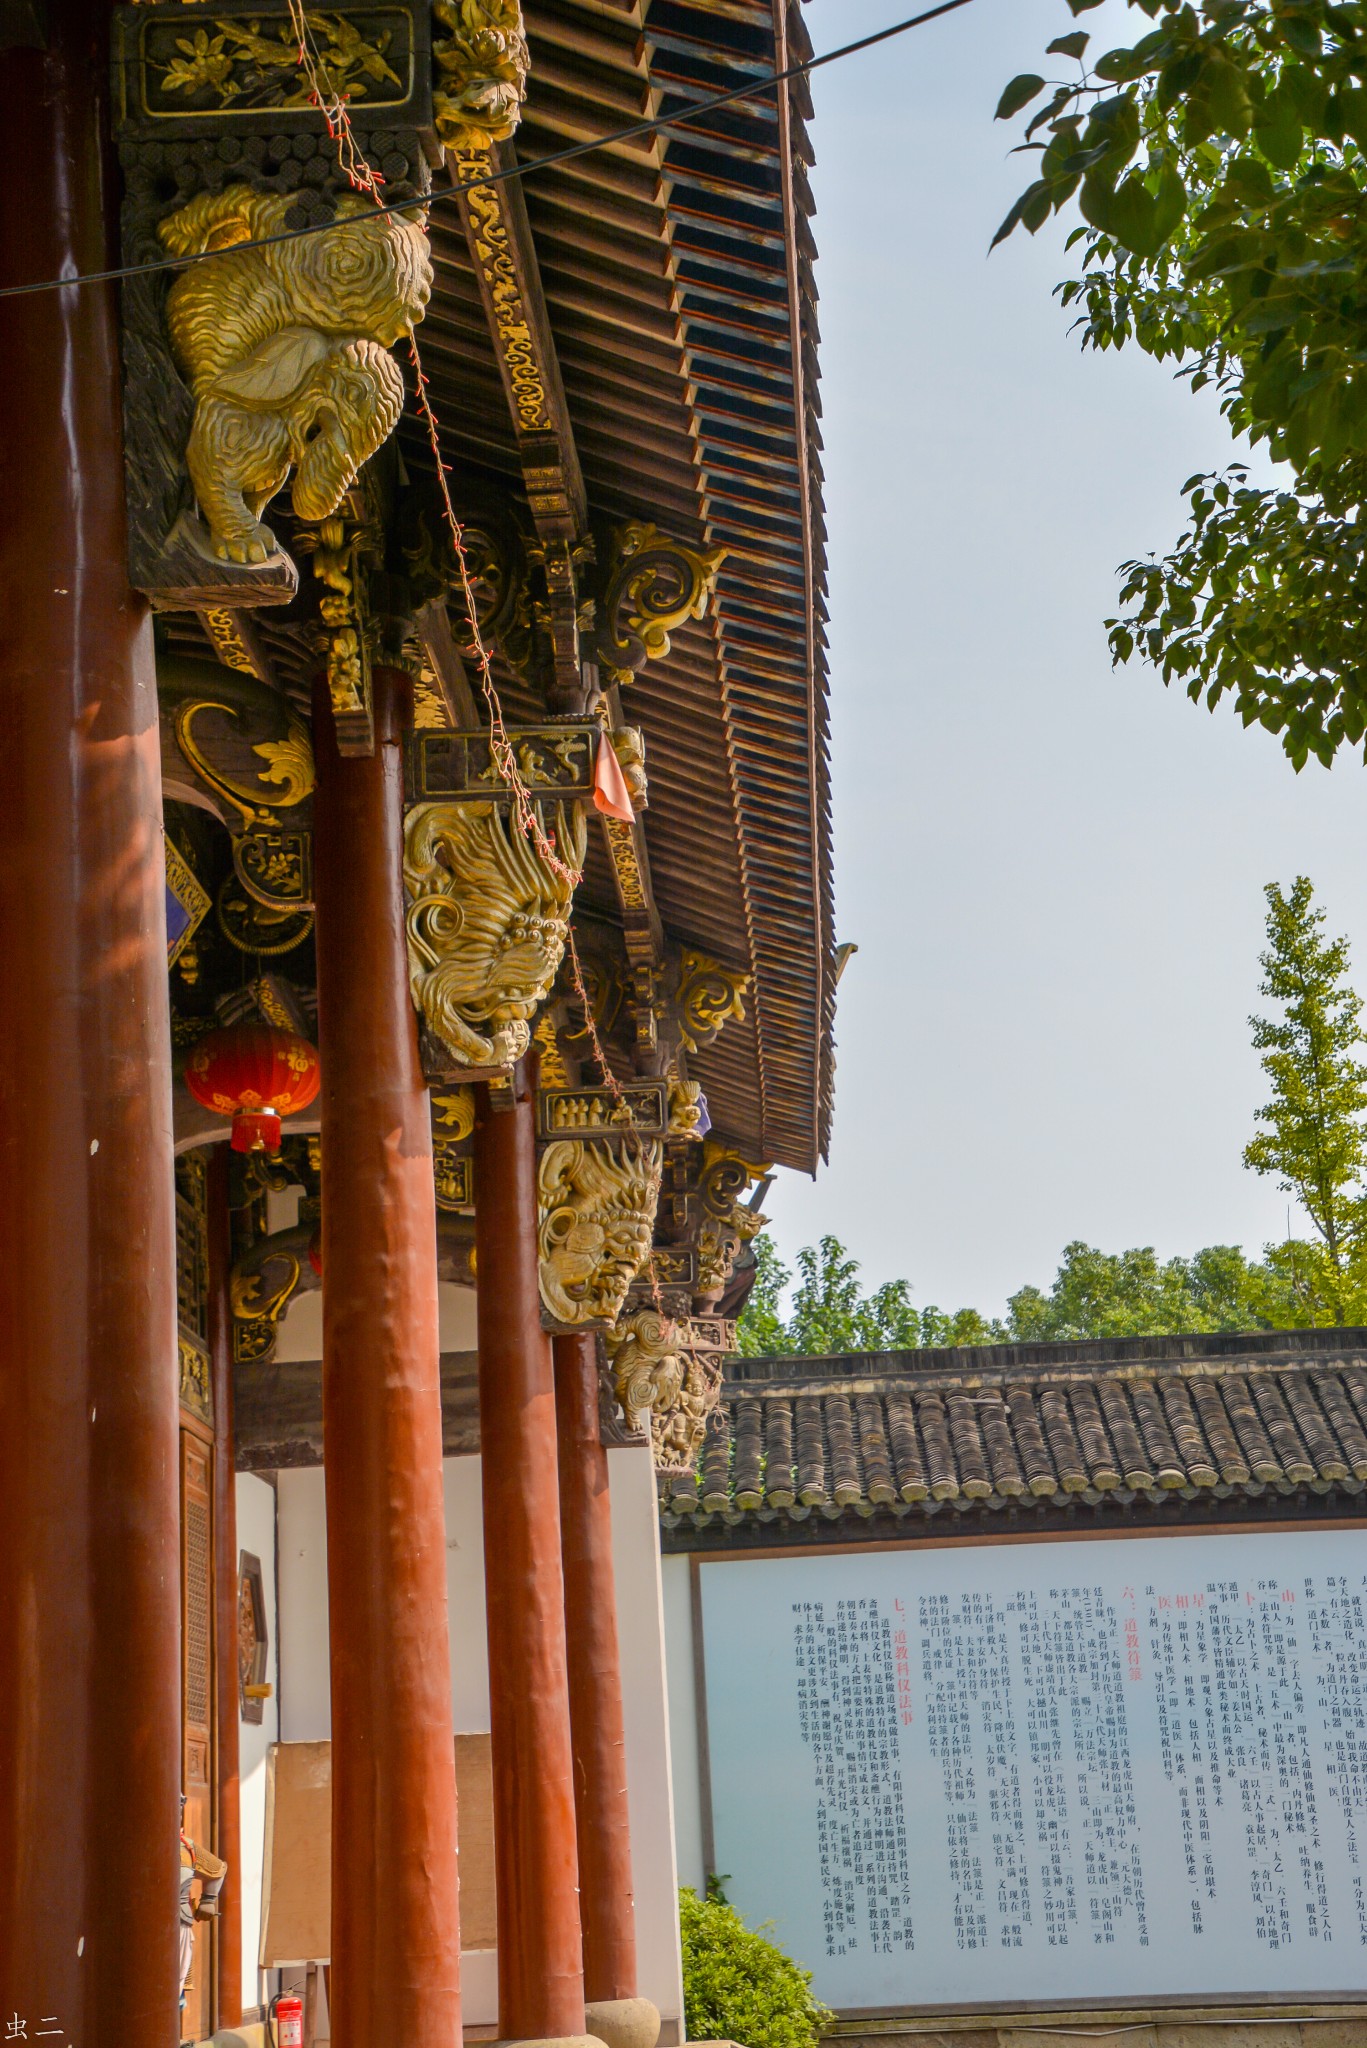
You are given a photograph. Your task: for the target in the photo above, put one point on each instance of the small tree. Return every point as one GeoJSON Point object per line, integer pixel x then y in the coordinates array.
{"type": "Point", "coordinates": [1313, 1136]}
{"type": "Point", "coordinates": [740, 1986]}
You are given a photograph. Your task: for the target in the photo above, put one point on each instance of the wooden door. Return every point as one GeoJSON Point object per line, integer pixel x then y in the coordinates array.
{"type": "Point", "coordinates": [197, 1693]}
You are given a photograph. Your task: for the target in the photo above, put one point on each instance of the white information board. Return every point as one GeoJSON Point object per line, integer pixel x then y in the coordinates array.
{"type": "Point", "coordinates": [1118, 1771]}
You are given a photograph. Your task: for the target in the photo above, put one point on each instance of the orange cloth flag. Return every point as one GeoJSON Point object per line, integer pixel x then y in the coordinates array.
{"type": "Point", "coordinates": [609, 784]}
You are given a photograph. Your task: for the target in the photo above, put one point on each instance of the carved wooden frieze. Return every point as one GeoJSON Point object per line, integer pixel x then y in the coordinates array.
{"type": "Point", "coordinates": [635, 1109]}
{"type": "Point", "coordinates": [458, 767]}
{"type": "Point", "coordinates": [234, 61]}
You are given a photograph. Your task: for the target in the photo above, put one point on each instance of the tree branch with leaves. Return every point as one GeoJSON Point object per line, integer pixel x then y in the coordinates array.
{"type": "Point", "coordinates": [1219, 168]}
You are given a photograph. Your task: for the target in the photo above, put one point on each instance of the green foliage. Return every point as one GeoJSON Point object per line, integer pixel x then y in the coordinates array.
{"type": "Point", "coordinates": [1130, 1294]}
{"type": "Point", "coordinates": [833, 1316]}
{"type": "Point", "coordinates": [1219, 166]}
{"type": "Point", "coordinates": [738, 1985]}
{"type": "Point", "coordinates": [1264, 599]}
{"type": "Point", "coordinates": [1313, 1136]}
{"type": "Point", "coordinates": [761, 1331]}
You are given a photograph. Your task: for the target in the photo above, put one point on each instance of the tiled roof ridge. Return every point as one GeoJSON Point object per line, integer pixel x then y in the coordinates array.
{"type": "Point", "coordinates": [1131, 1431]}
{"type": "Point", "coordinates": [997, 1361]}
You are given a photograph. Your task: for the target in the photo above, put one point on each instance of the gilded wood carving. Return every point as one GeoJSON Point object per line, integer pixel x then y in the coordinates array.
{"type": "Point", "coordinates": [708, 996]}
{"type": "Point", "coordinates": [654, 584]}
{"type": "Point", "coordinates": [481, 71]}
{"type": "Point", "coordinates": [597, 1216]}
{"type": "Point", "coordinates": [487, 921]}
{"type": "Point", "coordinates": [667, 1378]}
{"type": "Point", "coordinates": [287, 353]}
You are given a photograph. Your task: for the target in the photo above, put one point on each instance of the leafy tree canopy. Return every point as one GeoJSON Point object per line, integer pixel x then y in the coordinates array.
{"type": "Point", "coordinates": [1094, 1294]}
{"type": "Point", "coordinates": [1313, 1136]}
{"type": "Point", "coordinates": [1219, 166]}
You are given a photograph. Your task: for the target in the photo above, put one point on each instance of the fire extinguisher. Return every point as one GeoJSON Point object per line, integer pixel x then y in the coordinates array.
{"type": "Point", "coordinates": [287, 2016]}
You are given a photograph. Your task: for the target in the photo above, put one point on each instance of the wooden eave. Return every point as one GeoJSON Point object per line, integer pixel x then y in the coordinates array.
{"type": "Point", "coordinates": [676, 275]}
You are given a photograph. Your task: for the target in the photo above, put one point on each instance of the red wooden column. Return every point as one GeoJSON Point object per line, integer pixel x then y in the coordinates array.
{"type": "Point", "coordinates": [227, 1723]}
{"type": "Point", "coordinates": [540, 1965]}
{"type": "Point", "coordinates": [89, 1516]}
{"type": "Point", "coordinates": [395, 1929]}
{"type": "Point", "coordinates": [607, 1901]}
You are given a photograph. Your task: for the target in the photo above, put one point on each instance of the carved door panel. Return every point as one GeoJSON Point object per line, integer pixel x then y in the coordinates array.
{"type": "Point", "coordinates": [197, 1695]}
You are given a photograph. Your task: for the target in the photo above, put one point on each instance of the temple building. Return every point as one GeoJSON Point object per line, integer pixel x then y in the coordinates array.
{"type": "Point", "coordinates": [415, 888]}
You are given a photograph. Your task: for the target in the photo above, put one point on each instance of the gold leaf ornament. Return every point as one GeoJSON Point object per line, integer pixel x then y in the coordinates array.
{"type": "Point", "coordinates": [482, 67]}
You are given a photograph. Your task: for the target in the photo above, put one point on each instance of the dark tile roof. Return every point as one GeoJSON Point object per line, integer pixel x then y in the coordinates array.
{"type": "Point", "coordinates": [1151, 1429]}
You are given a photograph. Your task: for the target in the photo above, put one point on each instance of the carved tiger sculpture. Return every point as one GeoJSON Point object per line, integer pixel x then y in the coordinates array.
{"type": "Point", "coordinates": [287, 353]}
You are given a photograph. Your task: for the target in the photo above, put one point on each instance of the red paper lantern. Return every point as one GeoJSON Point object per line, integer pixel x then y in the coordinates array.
{"type": "Point", "coordinates": [255, 1074]}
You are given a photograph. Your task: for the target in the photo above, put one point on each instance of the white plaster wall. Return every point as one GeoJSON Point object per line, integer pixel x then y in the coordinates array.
{"type": "Point", "coordinates": [305, 1711]}
{"type": "Point", "coordinates": [305, 1701]}
{"type": "Point", "coordinates": [683, 1720]}
{"type": "Point", "coordinates": [640, 1625]}
{"type": "Point", "coordinates": [301, 1331]}
{"type": "Point", "coordinates": [256, 1534]}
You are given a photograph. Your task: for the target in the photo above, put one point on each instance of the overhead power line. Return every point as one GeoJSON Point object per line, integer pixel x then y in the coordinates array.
{"type": "Point", "coordinates": [755, 90]}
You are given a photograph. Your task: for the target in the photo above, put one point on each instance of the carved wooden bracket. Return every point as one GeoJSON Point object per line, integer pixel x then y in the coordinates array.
{"type": "Point", "coordinates": [254, 362]}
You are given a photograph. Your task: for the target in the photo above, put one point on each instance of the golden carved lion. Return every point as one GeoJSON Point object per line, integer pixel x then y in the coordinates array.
{"type": "Point", "coordinates": [287, 353]}
{"type": "Point", "coordinates": [647, 1367]}
{"type": "Point", "coordinates": [487, 922]}
{"type": "Point", "coordinates": [597, 1220]}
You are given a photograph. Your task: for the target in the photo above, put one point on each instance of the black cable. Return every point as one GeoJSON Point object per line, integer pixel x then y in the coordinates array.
{"type": "Point", "coordinates": [562, 156]}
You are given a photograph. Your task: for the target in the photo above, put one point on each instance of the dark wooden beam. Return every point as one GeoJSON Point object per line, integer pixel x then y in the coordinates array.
{"type": "Point", "coordinates": [279, 1412]}
{"type": "Point", "coordinates": [444, 660]}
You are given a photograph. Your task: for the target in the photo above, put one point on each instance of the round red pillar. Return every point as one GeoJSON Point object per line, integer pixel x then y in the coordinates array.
{"type": "Point", "coordinates": [228, 1830]}
{"type": "Point", "coordinates": [540, 1963]}
{"type": "Point", "coordinates": [606, 1898]}
{"type": "Point", "coordinates": [395, 1928]}
{"type": "Point", "coordinates": [89, 1513]}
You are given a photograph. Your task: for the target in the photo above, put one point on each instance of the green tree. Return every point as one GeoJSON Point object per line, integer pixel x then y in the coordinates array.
{"type": "Point", "coordinates": [1313, 1137]}
{"type": "Point", "coordinates": [761, 1331]}
{"type": "Point", "coordinates": [739, 1985]}
{"type": "Point", "coordinates": [1133, 1294]}
{"type": "Point", "coordinates": [832, 1315]}
{"type": "Point", "coordinates": [1219, 168]}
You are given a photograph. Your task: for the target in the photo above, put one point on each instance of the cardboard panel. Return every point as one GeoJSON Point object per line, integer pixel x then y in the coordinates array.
{"type": "Point", "coordinates": [296, 1905]}
{"type": "Point", "coordinates": [475, 1789]}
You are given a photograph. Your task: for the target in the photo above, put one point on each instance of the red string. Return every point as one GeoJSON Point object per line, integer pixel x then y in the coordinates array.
{"type": "Point", "coordinates": [332, 105]}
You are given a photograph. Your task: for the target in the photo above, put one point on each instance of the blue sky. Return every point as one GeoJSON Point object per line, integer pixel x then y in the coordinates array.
{"type": "Point", "coordinates": [1054, 874]}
